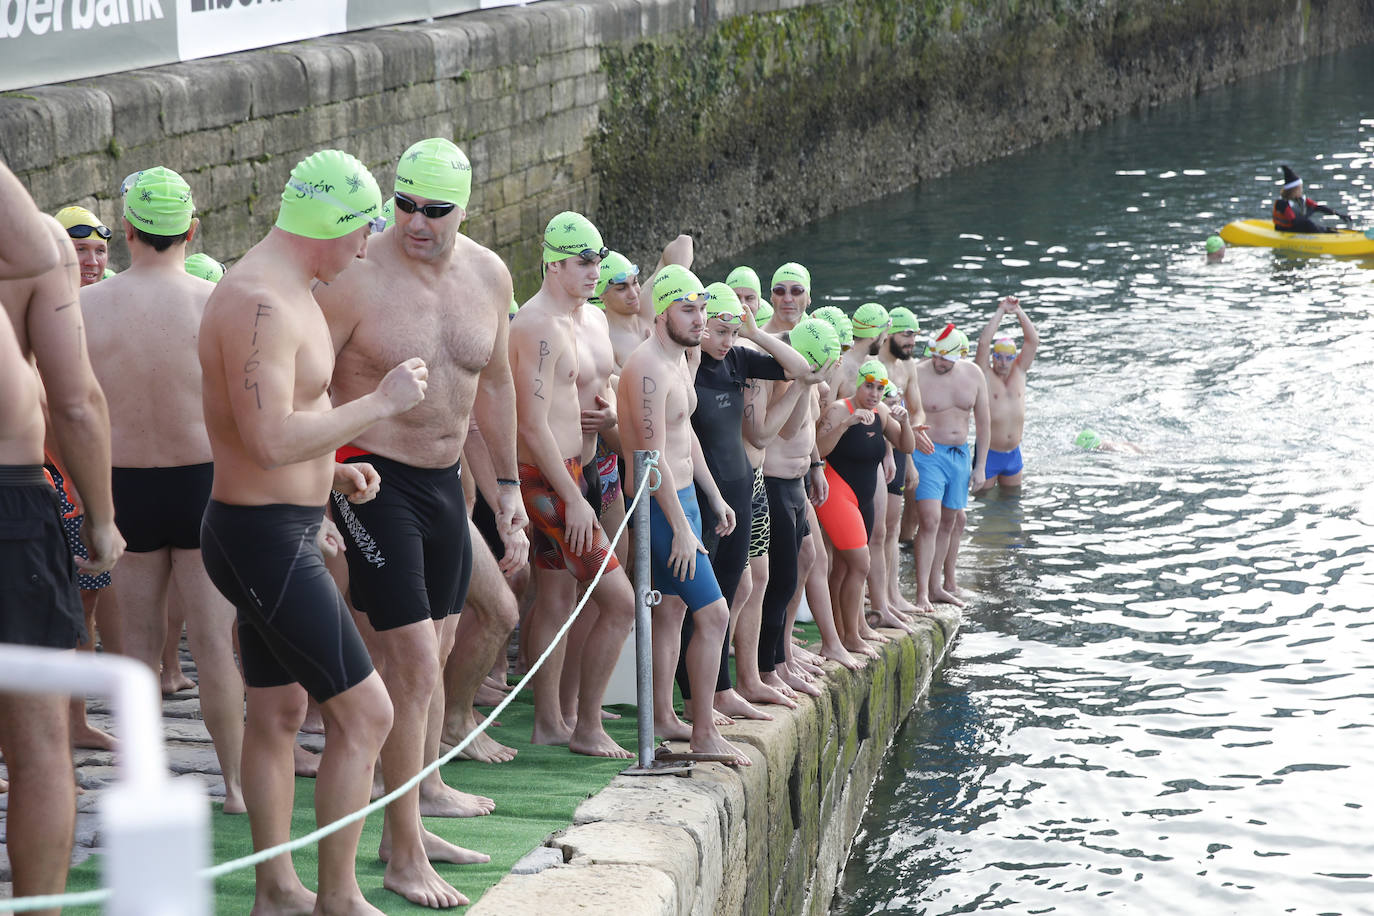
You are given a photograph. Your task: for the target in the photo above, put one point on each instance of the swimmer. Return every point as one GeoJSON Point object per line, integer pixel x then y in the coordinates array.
{"type": "Point", "coordinates": [619, 293]}
{"type": "Point", "coordinates": [1005, 370]}
{"type": "Point", "coordinates": [1216, 249]}
{"type": "Point", "coordinates": [91, 239]}
{"type": "Point", "coordinates": [427, 289]}
{"type": "Point", "coordinates": [268, 358]}
{"type": "Point", "coordinates": [1090, 441]}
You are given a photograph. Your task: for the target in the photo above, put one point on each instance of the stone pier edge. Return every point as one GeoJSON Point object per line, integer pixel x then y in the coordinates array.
{"type": "Point", "coordinates": [770, 838]}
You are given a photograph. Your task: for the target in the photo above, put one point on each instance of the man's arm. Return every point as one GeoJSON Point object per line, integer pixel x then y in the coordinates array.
{"type": "Point", "coordinates": [678, 251]}
{"type": "Point", "coordinates": [982, 425]}
{"type": "Point", "coordinates": [983, 356]}
{"type": "Point", "coordinates": [794, 365]}
{"type": "Point", "coordinates": [493, 408]}
{"type": "Point", "coordinates": [1030, 339]}
{"type": "Point", "coordinates": [701, 475]}
{"type": "Point", "coordinates": [27, 248]}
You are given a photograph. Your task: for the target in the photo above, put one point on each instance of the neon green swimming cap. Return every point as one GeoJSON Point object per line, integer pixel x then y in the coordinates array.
{"type": "Point", "coordinates": [844, 330]}
{"type": "Point", "coordinates": [203, 266]}
{"type": "Point", "coordinates": [615, 268]}
{"type": "Point", "coordinates": [675, 282]}
{"type": "Point", "coordinates": [744, 278]}
{"type": "Point", "coordinates": [158, 201]}
{"type": "Point", "coordinates": [435, 169]}
{"type": "Point", "coordinates": [568, 235]}
{"type": "Point", "coordinates": [1088, 439]}
{"type": "Point", "coordinates": [870, 320]}
{"type": "Point", "coordinates": [723, 304]}
{"type": "Point", "coordinates": [815, 339]}
{"type": "Point", "coordinates": [329, 195]}
{"type": "Point", "coordinates": [903, 319]}
{"type": "Point", "coordinates": [792, 272]}
{"type": "Point", "coordinates": [763, 312]}
{"type": "Point", "coordinates": [872, 369]}
{"type": "Point", "coordinates": [891, 391]}
{"type": "Point", "coordinates": [514, 306]}
{"type": "Point", "coordinates": [389, 210]}
{"type": "Point", "coordinates": [1214, 244]}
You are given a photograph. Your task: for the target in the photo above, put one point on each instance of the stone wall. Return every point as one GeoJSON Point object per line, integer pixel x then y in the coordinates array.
{"type": "Point", "coordinates": [765, 839]}
{"type": "Point", "coordinates": [730, 119]}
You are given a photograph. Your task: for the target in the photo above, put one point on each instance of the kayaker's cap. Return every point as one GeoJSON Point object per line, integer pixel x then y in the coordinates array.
{"type": "Point", "coordinates": [1290, 178]}
{"type": "Point", "coordinates": [792, 272]}
{"type": "Point", "coordinates": [844, 329]}
{"type": "Point", "coordinates": [435, 169]}
{"type": "Point", "coordinates": [203, 266]}
{"type": "Point", "coordinates": [870, 320]}
{"type": "Point", "coordinates": [158, 201]}
{"type": "Point", "coordinates": [328, 195]}
{"type": "Point", "coordinates": [763, 312]}
{"type": "Point", "coordinates": [1088, 439]}
{"type": "Point", "coordinates": [903, 319]}
{"type": "Point", "coordinates": [947, 343]}
{"type": "Point", "coordinates": [675, 283]}
{"type": "Point", "coordinates": [1004, 345]}
{"type": "Point", "coordinates": [745, 278]}
{"type": "Point", "coordinates": [615, 268]}
{"type": "Point", "coordinates": [1214, 244]}
{"type": "Point", "coordinates": [815, 339]}
{"type": "Point", "coordinates": [723, 304]}
{"type": "Point", "coordinates": [571, 235]}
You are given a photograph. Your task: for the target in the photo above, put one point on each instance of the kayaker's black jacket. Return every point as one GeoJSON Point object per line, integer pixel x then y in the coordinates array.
{"type": "Point", "coordinates": [1296, 215]}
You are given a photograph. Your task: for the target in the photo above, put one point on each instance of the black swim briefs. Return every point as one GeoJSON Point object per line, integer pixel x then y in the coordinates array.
{"type": "Point", "coordinates": [39, 601]}
{"type": "Point", "coordinates": [161, 507]}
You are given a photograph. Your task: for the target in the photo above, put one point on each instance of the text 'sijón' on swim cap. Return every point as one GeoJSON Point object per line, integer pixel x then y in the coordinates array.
{"type": "Point", "coordinates": [615, 268]}
{"type": "Point", "coordinates": [328, 195]}
{"type": "Point", "coordinates": [744, 278]}
{"type": "Point", "coordinates": [947, 344]}
{"type": "Point", "coordinates": [158, 201]}
{"type": "Point", "coordinates": [870, 320]}
{"type": "Point", "coordinates": [1088, 439]}
{"type": "Point", "coordinates": [763, 312]}
{"type": "Point", "coordinates": [903, 319]}
{"type": "Point", "coordinates": [1004, 344]}
{"type": "Point", "coordinates": [792, 272]}
{"type": "Point", "coordinates": [672, 283]}
{"type": "Point", "coordinates": [723, 304]}
{"type": "Point", "coordinates": [815, 339]}
{"type": "Point", "coordinates": [844, 330]}
{"type": "Point", "coordinates": [203, 266]}
{"type": "Point", "coordinates": [568, 235]}
{"type": "Point", "coordinates": [1214, 244]}
{"type": "Point", "coordinates": [437, 170]}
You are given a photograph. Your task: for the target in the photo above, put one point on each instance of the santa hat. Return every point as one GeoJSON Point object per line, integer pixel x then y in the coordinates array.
{"type": "Point", "coordinates": [1290, 178]}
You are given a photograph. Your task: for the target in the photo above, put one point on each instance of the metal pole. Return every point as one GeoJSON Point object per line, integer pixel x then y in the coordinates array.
{"type": "Point", "coordinates": [644, 643]}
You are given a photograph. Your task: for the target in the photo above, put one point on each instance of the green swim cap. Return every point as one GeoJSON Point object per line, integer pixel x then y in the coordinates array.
{"type": "Point", "coordinates": [763, 312]}
{"type": "Point", "coordinates": [903, 319]}
{"type": "Point", "coordinates": [675, 282]}
{"type": "Point", "coordinates": [1088, 439]}
{"type": "Point", "coordinates": [615, 268]}
{"type": "Point", "coordinates": [844, 330]}
{"type": "Point", "coordinates": [891, 391]}
{"type": "Point", "coordinates": [203, 266]}
{"type": "Point", "coordinates": [1214, 244]}
{"type": "Point", "coordinates": [744, 278]}
{"type": "Point", "coordinates": [389, 210]}
{"type": "Point", "coordinates": [568, 235]}
{"type": "Point", "coordinates": [870, 320]}
{"type": "Point", "coordinates": [723, 304]}
{"type": "Point", "coordinates": [329, 195]}
{"type": "Point", "coordinates": [792, 272]}
{"type": "Point", "coordinates": [514, 306]}
{"type": "Point", "coordinates": [872, 368]}
{"type": "Point", "coordinates": [815, 339]}
{"type": "Point", "coordinates": [435, 169]}
{"type": "Point", "coordinates": [158, 201]}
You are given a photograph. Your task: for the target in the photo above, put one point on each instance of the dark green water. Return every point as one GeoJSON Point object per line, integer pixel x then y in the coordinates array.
{"type": "Point", "coordinates": [1162, 698]}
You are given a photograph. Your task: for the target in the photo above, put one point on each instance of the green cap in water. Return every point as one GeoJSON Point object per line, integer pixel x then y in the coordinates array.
{"type": "Point", "coordinates": [158, 201]}
{"type": "Point", "coordinates": [1088, 439]}
{"type": "Point", "coordinates": [203, 266]}
{"type": "Point", "coordinates": [571, 235]}
{"type": "Point", "coordinates": [1214, 244]}
{"type": "Point", "coordinates": [744, 278]}
{"type": "Point", "coordinates": [435, 169]}
{"type": "Point", "coordinates": [329, 195]}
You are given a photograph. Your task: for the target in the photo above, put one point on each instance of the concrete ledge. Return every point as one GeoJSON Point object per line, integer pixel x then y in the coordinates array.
{"type": "Point", "coordinates": [768, 838]}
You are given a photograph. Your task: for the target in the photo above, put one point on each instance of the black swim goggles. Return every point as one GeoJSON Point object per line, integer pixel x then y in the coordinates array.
{"type": "Point", "coordinates": [428, 211]}
{"type": "Point", "coordinates": [81, 231]}
{"type": "Point", "coordinates": [586, 254]}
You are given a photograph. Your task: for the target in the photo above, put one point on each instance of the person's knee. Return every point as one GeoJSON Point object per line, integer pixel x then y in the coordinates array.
{"type": "Point", "coordinates": [360, 717]}
{"type": "Point", "coordinates": [281, 715]}
{"type": "Point", "coordinates": [411, 660]}
{"type": "Point", "coordinates": [709, 623]}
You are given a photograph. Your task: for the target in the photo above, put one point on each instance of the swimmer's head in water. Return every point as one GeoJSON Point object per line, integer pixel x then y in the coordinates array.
{"type": "Point", "coordinates": [902, 319]}
{"type": "Point", "coordinates": [1088, 439]}
{"type": "Point", "coordinates": [437, 170]}
{"type": "Point", "coordinates": [1214, 244]}
{"type": "Point", "coordinates": [572, 235]}
{"type": "Point", "coordinates": [763, 312]}
{"type": "Point", "coordinates": [81, 223]}
{"type": "Point", "coordinates": [723, 304]}
{"type": "Point", "coordinates": [203, 266]}
{"type": "Point", "coordinates": [844, 329]}
{"type": "Point", "coordinates": [676, 283]}
{"type": "Point", "coordinates": [158, 201]}
{"type": "Point", "coordinates": [947, 344]}
{"type": "Point", "coordinates": [615, 268]}
{"type": "Point", "coordinates": [816, 340]}
{"type": "Point", "coordinates": [791, 274]}
{"type": "Point", "coordinates": [870, 320]}
{"type": "Point", "coordinates": [329, 195]}
{"type": "Point", "coordinates": [744, 278]}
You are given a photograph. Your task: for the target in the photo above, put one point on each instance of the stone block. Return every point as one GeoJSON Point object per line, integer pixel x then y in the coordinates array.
{"type": "Point", "coordinates": [135, 105]}
{"type": "Point", "coordinates": [202, 94]}
{"type": "Point", "coordinates": [664, 848]}
{"type": "Point", "coordinates": [278, 82]}
{"type": "Point", "coordinates": [590, 89]}
{"type": "Point", "coordinates": [489, 44]}
{"type": "Point", "coordinates": [507, 228]}
{"type": "Point", "coordinates": [563, 95]}
{"type": "Point", "coordinates": [536, 103]}
{"type": "Point", "coordinates": [329, 68]}
{"type": "Point", "coordinates": [569, 24]}
{"type": "Point", "coordinates": [82, 118]}
{"type": "Point", "coordinates": [538, 179]}
{"type": "Point", "coordinates": [27, 138]}
{"type": "Point", "coordinates": [452, 51]}
{"type": "Point", "coordinates": [594, 890]}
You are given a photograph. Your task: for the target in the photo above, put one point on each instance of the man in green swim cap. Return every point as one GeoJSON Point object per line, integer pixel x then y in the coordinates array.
{"type": "Point", "coordinates": [569, 544]}
{"type": "Point", "coordinates": [425, 288]}
{"type": "Point", "coordinates": [140, 325]}
{"type": "Point", "coordinates": [267, 358]}
{"type": "Point", "coordinates": [620, 293]}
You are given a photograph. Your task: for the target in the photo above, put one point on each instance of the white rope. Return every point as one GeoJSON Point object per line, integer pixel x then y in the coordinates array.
{"type": "Point", "coordinates": [651, 481]}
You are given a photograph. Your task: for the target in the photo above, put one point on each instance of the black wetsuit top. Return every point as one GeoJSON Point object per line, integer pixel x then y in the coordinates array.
{"type": "Point", "coordinates": [718, 419]}
{"type": "Point", "coordinates": [856, 458]}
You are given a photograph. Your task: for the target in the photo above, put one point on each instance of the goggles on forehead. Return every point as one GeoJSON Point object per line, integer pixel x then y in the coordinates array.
{"type": "Point", "coordinates": [375, 223]}
{"type": "Point", "coordinates": [701, 296]}
{"type": "Point", "coordinates": [870, 377]}
{"type": "Point", "coordinates": [82, 231]}
{"type": "Point", "coordinates": [623, 275]}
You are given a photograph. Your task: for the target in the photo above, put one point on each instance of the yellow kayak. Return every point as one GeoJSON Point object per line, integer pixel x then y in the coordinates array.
{"type": "Point", "coordinates": [1261, 232]}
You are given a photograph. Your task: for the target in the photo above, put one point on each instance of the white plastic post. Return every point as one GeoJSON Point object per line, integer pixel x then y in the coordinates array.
{"type": "Point", "coordinates": [156, 831]}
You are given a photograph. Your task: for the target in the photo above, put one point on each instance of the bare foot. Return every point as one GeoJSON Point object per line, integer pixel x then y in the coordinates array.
{"type": "Point", "coordinates": [923, 605]}
{"type": "Point", "coordinates": [479, 718]}
{"type": "Point", "coordinates": [291, 901]}
{"type": "Point", "coordinates": [902, 605]}
{"type": "Point", "coordinates": [594, 742]}
{"type": "Point", "coordinates": [863, 648]}
{"type": "Point", "coordinates": [774, 680]}
{"type": "Point", "coordinates": [307, 764]}
{"type": "Point", "coordinates": [86, 735]}
{"type": "Point", "coordinates": [765, 693]}
{"type": "Point", "coordinates": [482, 748]}
{"type": "Point", "coordinates": [555, 734]}
{"type": "Point", "coordinates": [955, 590]}
{"type": "Point", "coordinates": [4, 785]}
{"type": "Point", "coordinates": [940, 596]}
{"type": "Point", "coordinates": [730, 703]}
{"type": "Point", "coordinates": [719, 745]}
{"type": "Point", "coordinates": [487, 696]}
{"type": "Point", "coordinates": [888, 619]}
{"type": "Point", "coordinates": [175, 681]}
{"type": "Point", "coordinates": [718, 718]}
{"type": "Point", "coordinates": [438, 799]}
{"type": "Point", "coordinates": [798, 682]}
{"type": "Point", "coordinates": [839, 653]}
{"type": "Point", "coordinates": [608, 716]}
{"type": "Point", "coordinates": [233, 800]}
{"type": "Point", "coordinates": [314, 721]}
{"type": "Point", "coordinates": [496, 683]}
{"type": "Point", "coordinates": [673, 729]}
{"type": "Point", "coordinates": [418, 882]}
{"type": "Point", "coordinates": [437, 849]}
{"type": "Point", "coordinates": [870, 634]}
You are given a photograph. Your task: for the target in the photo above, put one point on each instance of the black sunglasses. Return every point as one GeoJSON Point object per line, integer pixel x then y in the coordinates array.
{"type": "Point", "coordinates": [429, 211]}
{"type": "Point", "coordinates": [84, 231]}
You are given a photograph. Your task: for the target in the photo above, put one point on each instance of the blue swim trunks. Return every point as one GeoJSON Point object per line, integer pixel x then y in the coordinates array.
{"type": "Point", "coordinates": [1003, 464]}
{"type": "Point", "coordinates": [698, 591]}
{"type": "Point", "coordinates": [944, 475]}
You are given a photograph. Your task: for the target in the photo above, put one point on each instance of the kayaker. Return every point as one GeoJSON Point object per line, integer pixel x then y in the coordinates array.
{"type": "Point", "coordinates": [1293, 210]}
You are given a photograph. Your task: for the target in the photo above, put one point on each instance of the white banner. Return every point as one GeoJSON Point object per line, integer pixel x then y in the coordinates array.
{"type": "Point", "coordinates": [209, 27]}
